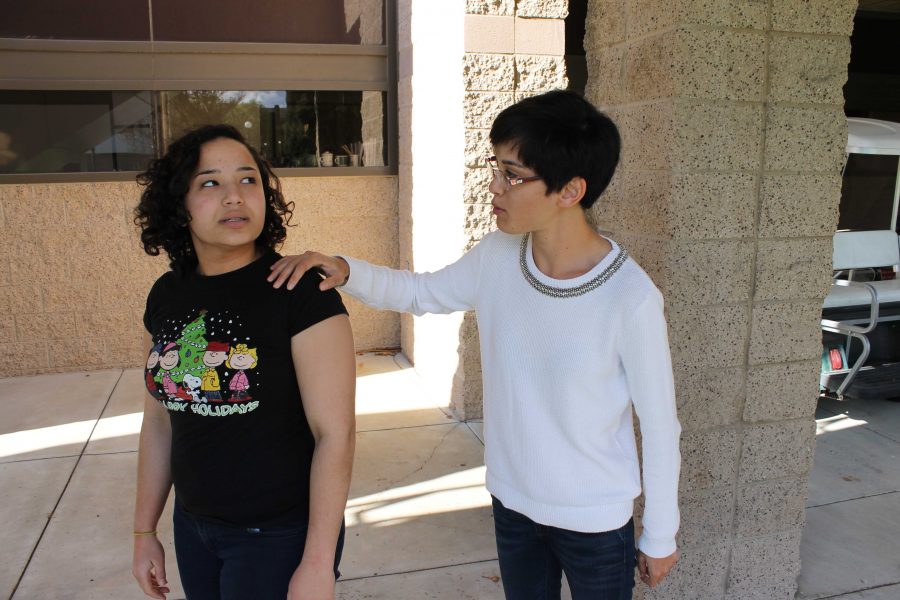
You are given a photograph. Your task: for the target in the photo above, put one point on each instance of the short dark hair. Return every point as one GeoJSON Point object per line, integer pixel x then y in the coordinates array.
{"type": "Point", "coordinates": [161, 213]}
{"type": "Point", "coordinates": [560, 135]}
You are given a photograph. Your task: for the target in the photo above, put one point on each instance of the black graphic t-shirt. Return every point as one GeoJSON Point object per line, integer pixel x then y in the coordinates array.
{"type": "Point", "coordinates": [221, 364]}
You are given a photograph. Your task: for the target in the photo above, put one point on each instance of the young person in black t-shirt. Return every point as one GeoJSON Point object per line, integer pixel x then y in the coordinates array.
{"type": "Point", "coordinates": [250, 410]}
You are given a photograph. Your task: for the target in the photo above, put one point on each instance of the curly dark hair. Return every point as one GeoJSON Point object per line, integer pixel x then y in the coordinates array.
{"type": "Point", "coordinates": [161, 213]}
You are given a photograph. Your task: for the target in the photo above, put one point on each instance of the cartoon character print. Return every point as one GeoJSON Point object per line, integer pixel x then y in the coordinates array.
{"type": "Point", "coordinates": [191, 387]}
{"type": "Point", "coordinates": [193, 359]}
{"type": "Point", "coordinates": [215, 356]}
{"type": "Point", "coordinates": [241, 358]}
{"type": "Point", "coordinates": [150, 373]}
{"type": "Point", "coordinates": [168, 360]}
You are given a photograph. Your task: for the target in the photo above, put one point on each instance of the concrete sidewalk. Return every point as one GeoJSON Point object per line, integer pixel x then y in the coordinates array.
{"type": "Point", "coordinates": [851, 541]}
{"type": "Point", "coordinates": [419, 518]}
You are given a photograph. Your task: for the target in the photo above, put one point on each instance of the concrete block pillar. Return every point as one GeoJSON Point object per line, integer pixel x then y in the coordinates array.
{"type": "Point", "coordinates": [733, 130]}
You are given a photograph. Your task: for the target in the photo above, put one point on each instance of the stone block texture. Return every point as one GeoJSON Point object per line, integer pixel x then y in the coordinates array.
{"type": "Point", "coordinates": [489, 72]}
{"type": "Point", "coordinates": [804, 204]}
{"type": "Point", "coordinates": [709, 398]}
{"type": "Point", "coordinates": [709, 459]}
{"type": "Point", "coordinates": [807, 69]}
{"type": "Point", "coordinates": [545, 9]}
{"type": "Point", "coordinates": [771, 507]}
{"type": "Point", "coordinates": [802, 138]}
{"type": "Point", "coordinates": [775, 450]}
{"type": "Point", "coordinates": [739, 14]}
{"type": "Point", "coordinates": [491, 7]}
{"type": "Point", "coordinates": [828, 17]}
{"type": "Point", "coordinates": [785, 331]}
{"type": "Point", "coordinates": [73, 293]}
{"type": "Point", "coordinates": [781, 391]}
{"type": "Point", "coordinates": [794, 268]}
{"type": "Point", "coordinates": [540, 73]}
{"type": "Point", "coordinates": [706, 514]}
{"type": "Point", "coordinates": [765, 567]}
{"type": "Point", "coordinates": [733, 133]}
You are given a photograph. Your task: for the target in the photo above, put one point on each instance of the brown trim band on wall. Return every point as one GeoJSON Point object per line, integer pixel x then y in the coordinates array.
{"type": "Point", "coordinates": [157, 66]}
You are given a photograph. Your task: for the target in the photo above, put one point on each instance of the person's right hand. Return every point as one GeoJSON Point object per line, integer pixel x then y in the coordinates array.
{"type": "Point", "coordinates": [292, 268]}
{"type": "Point", "coordinates": [149, 566]}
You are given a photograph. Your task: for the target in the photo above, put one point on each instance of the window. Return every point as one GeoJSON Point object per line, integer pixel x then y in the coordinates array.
{"type": "Point", "coordinates": [89, 132]}
{"type": "Point", "coordinates": [290, 128]}
{"type": "Point", "coordinates": [65, 132]}
{"type": "Point", "coordinates": [309, 85]}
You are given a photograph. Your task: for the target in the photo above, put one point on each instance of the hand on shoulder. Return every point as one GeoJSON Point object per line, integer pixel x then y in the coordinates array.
{"type": "Point", "coordinates": [291, 268]}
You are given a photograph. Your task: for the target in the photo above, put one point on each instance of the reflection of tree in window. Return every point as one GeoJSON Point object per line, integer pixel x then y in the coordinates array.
{"type": "Point", "coordinates": [299, 130]}
{"type": "Point", "coordinates": [189, 110]}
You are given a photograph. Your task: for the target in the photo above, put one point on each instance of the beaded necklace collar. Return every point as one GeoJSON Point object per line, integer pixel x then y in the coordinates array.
{"type": "Point", "coordinates": [559, 292]}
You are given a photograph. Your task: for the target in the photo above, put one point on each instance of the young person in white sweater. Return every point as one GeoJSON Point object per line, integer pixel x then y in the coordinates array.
{"type": "Point", "coordinates": [572, 337]}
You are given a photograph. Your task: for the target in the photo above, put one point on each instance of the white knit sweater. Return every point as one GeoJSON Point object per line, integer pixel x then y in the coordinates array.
{"type": "Point", "coordinates": [560, 377]}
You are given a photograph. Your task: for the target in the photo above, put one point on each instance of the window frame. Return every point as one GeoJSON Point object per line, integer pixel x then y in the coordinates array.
{"type": "Point", "coordinates": [99, 65]}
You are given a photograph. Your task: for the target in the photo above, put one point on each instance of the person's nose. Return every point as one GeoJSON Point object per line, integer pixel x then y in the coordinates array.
{"type": "Point", "coordinates": [496, 186]}
{"type": "Point", "coordinates": [233, 195]}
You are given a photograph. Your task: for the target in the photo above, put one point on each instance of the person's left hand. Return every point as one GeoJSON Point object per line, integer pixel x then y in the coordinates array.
{"type": "Point", "coordinates": [309, 583]}
{"type": "Point", "coordinates": [653, 570]}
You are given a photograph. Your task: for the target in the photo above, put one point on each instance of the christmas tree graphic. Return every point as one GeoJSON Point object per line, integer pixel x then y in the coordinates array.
{"type": "Point", "coordinates": [192, 343]}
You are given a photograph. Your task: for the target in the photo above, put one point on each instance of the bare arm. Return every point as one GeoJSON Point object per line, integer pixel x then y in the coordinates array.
{"type": "Point", "coordinates": [154, 479]}
{"type": "Point", "coordinates": [326, 372]}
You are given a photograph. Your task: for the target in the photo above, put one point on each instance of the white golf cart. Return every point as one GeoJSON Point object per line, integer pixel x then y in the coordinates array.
{"type": "Point", "coordinates": [861, 314]}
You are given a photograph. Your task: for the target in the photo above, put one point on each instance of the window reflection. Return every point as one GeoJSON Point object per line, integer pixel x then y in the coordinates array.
{"type": "Point", "coordinates": [290, 128]}
{"type": "Point", "coordinates": [60, 132]}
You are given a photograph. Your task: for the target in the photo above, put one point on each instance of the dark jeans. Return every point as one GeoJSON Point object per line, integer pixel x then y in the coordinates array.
{"type": "Point", "coordinates": [598, 566]}
{"type": "Point", "coordinates": [224, 562]}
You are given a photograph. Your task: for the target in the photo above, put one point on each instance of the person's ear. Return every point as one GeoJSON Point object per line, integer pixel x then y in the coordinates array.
{"type": "Point", "coordinates": [572, 192]}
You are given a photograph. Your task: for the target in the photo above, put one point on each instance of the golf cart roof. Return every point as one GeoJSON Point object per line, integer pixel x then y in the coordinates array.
{"type": "Point", "coordinates": [871, 136]}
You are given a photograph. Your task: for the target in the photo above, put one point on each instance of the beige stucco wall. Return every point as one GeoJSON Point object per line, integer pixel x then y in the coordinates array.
{"type": "Point", "coordinates": [73, 277]}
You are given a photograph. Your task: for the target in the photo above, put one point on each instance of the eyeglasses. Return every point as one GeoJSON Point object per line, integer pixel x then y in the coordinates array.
{"type": "Point", "coordinates": [505, 179]}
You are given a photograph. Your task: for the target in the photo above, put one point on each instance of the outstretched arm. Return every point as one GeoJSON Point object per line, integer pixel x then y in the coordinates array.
{"type": "Point", "coordinates": [154, 479]}
{"type": "Point", "coordinates": [452, 288]}
{"type": "Point", "coordinates": [326, 372]}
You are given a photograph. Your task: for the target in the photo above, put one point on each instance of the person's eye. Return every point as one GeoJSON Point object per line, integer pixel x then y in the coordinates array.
{"type": "Point", "coordinates": [209, 183]}
{"type": "Point", "coordinates": [249, 179]}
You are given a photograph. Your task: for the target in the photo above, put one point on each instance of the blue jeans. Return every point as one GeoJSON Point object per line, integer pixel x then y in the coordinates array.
{"type": "Point", "coordinates": [598, 566]}
{"type": "Point", "coordinates": [224, 562]}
